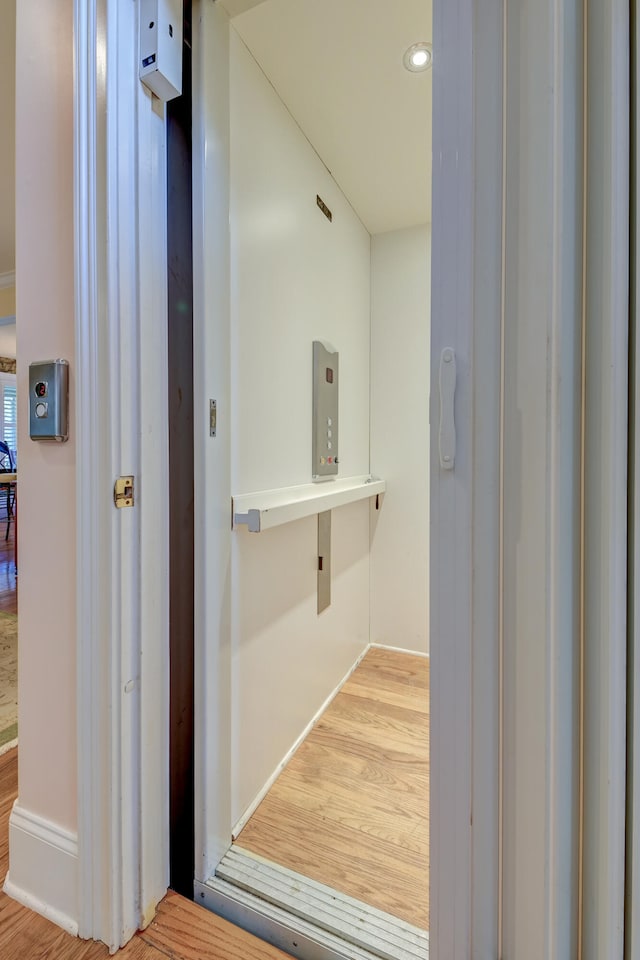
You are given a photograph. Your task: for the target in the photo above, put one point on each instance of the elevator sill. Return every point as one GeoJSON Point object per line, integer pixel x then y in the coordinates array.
{"type": "Point", "coordinates": [271, 508]}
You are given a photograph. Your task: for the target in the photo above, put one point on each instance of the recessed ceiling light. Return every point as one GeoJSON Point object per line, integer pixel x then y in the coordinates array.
{"type": "Point", "coordinates": [418, 57]}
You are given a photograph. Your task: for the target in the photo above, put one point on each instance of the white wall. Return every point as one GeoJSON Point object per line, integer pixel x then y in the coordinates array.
{"type": "Point", "coordinates": [400, 312]}
{"type": "Point", "coordinates": [43, 824]}
{"type": "Point", "coordinates": [47, 549]}
{"type": "Point", "coordinates": [8, 340]}
{"type": "Point", "coordinates": [295, 278]}
{"type": "Point", "coordinates": [7, 297]}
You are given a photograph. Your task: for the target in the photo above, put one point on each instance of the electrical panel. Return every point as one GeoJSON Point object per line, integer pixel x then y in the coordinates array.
{"type": "Point", "coordinates": [325, 411]}
{"type": "Point", "coordinates": [49, 400]}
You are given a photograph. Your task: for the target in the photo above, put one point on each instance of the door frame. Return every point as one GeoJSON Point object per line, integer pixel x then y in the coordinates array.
{"type": "Point", "coordinates": [467, 230]}
{"type": "Point", "coordinates": [122, 555]}
{"type": "Point", "coordinates": [122, 578]}
{"type": "Point", "coordinates": [608, 498]}
{"type": "Point", "coordinates": [466, 502]}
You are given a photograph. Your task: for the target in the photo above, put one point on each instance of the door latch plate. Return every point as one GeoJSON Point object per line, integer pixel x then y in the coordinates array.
{"type": "Point", "coordinates": [213, 418]}
{"type": "Point", "coordinates": [123, 492]}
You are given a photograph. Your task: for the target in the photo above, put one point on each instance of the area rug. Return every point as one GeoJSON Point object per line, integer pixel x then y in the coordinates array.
{"type": "Point", "coordinates": [8, 677]}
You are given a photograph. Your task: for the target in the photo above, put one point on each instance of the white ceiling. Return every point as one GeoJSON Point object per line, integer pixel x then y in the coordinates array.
{"type": "Point", "coordinates": [337, 65]}
{"type": "Point", "coordinates": [7, 134]}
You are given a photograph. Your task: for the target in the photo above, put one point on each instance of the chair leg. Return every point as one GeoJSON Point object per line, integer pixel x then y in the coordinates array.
{"type": "Point", "coordinates": [9, 513]}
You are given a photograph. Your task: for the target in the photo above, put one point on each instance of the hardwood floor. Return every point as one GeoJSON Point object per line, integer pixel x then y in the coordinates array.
{"type": "Point", "coordinates": [8, 579]}
{"type": "Point", "coordinates": [181, 930]}
{"type": "Point", "coordinates": [351, 809]}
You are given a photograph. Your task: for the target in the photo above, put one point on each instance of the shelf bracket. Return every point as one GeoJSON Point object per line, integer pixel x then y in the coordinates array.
{"type": "Point", "coordinates": [251, 519]}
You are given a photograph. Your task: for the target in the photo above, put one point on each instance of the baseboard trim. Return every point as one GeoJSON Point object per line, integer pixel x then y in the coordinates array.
{"type": "Point", "coordinates": [43, 868]}
{"type": "Point", "coordinates": [255, 803]}
{"type": "Point", "coordinates": [392, 649]}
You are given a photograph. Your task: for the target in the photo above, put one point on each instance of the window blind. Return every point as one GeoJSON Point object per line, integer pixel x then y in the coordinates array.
{"type": "Point", "coordinates": [10, 416]}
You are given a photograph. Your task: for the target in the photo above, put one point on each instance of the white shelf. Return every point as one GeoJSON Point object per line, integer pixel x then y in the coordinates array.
{"type": "Point", "coordinates": [271, 508]}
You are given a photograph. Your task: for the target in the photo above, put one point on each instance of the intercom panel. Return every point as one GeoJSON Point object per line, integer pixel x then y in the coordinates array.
{"type": "Point", "coordinates": [325, 411]}
{"type": "Point", "coordinates": [49, 400]}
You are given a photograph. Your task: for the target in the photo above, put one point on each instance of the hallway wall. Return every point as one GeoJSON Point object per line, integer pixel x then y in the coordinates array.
{"type": "Point", "coordinates": [45, 304]}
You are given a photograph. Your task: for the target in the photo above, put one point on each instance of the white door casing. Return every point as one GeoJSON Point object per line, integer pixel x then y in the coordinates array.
{"type": "Point", "coordinates": [122, 571]}
{"type": "Point", "coordinates": [481, 529]}
{"type": "Point", "coordinates": [465, 503]}
{"type": "Point", "coordinates": [606, 333]}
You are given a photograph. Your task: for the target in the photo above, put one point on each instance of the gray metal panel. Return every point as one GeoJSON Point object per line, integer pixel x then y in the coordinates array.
{"type": "Point", "coordinates": [334, 914]}
{"type": "Point", "coordinates": [272, 924]}
{"type": "Point", "coordinates": [324, 560]}
{"type": "Point", "coordinates": [49, 400]}
{"type": "Point", "coordinates": [325, 411]}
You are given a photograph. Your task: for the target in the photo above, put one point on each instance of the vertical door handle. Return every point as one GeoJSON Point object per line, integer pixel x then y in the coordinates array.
{"type": "Point", "coordinates": [447, 435]}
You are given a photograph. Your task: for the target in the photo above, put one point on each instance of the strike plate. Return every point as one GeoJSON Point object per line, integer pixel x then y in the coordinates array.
{"type": "Point", "coordinates": [213, 418]}
{"type": "Point", "coordinates": [123, 492]}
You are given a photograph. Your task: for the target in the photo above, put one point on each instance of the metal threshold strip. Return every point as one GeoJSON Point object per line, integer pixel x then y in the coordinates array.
{"type": "Point", "coordinates": [306, 918]}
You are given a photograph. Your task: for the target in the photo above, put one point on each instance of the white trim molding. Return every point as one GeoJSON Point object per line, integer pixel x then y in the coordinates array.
{"type": "Point", "coordinates": [212, 468]}
{"type": "Point", "coordinates": [44, 868]}
{"type": "Point", "coordinates": [122, 614]}
{"type": "Point", "coordinates": [541, 479]}
{"type": "Point", "coordinates": [632, 917]}
{"type": "Point", "coordinates": [7, 280]}
{"type": "Point", "coordinates": [257, 800]}
{"type": "Point", "coordinates": [465, 509]}
{"type": "Point", "coordinates": [605, 893]}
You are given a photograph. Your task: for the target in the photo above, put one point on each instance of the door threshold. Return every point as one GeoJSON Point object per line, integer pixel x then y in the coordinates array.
{"type": "Point", "coordinates": [304, 918]}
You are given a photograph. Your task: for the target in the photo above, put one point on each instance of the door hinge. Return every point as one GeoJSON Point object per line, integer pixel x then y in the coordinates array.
{"type": "Point", "coordinates": [123, 492]}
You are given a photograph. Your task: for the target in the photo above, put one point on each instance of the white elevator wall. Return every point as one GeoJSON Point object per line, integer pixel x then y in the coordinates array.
{"type": "Point", "coordinates": [295, 278]}
{"type": "Point", "coordinates": [400, 331]}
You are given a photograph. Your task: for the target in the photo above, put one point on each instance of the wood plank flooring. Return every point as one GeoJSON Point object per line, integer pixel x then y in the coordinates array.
{"type": "Point", "coordinates": [8, 579]}
{"type": "Point", "coordinates": [181, 930]}
{"type": "Point", "coordinates": [351, 808]}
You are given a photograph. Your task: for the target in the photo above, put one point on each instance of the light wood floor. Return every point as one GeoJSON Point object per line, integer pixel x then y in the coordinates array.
{"type": "Point", "coordinates": [181, 930]}
{"type": "Point", "coordinates": [351, 809]}
{"type": "Point", "coordinates": [8, 579]}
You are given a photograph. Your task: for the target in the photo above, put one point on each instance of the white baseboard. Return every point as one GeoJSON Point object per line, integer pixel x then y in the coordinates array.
{"type": "Point", "coordinates": [387, 646]}
{"type": "Point", "coordinates": [253, 806]}
{"type": "Point", "coordinates": [43, 868]}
